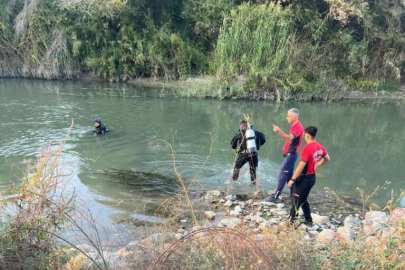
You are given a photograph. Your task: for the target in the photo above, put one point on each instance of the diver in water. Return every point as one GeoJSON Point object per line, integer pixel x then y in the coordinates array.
{"type": "Point", "coordinates": [99, 128]}
{"type": "Point", "coordinates": [247, 142]}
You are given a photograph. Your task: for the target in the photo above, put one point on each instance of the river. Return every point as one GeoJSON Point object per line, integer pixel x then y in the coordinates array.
{"type": "Point", "coordinates": [129, 172]}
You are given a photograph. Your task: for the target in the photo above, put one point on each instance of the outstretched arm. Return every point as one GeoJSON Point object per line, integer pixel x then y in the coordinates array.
{"type": "Point", "coordinates": [287, 137]}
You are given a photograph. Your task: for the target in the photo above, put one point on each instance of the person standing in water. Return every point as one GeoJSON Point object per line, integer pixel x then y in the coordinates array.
{"type": "Point", "coordinates": [245, 155]}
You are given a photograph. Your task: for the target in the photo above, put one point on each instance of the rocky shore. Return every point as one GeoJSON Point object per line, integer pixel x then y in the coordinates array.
{"type": "Point", "coordinates": [333, 224]}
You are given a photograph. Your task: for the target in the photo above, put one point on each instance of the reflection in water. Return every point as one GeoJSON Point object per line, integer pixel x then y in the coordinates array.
{"type": "Point", "coordinates": [128, 171]}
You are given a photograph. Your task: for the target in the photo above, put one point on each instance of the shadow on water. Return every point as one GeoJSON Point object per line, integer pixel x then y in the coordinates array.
{"type": "Point", "coordinates": [144, 182]}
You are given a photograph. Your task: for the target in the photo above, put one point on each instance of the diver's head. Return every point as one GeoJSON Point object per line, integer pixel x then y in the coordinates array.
{"type": "Point", "coordinates": [97, 122]}
{"type": "Point", "coordinates": [243, 125]}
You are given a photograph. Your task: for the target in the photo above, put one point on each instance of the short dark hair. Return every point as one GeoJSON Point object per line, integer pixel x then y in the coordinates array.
{"type": "Point", "coordinates": [243, 121]}
{"type": "Point", "coordinates": [311, 130]}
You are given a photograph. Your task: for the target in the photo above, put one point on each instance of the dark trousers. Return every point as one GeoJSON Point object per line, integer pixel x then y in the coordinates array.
{"type": "Point", "coordinates": [302, 187]}
{"type": "Point", "coordinates": [241, 160]}
{"type": "Point", "coordinates": [287, 170]}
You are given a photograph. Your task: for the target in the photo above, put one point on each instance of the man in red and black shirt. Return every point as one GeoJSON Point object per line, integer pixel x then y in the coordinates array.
{"type": "Point", "coordinates": [313, 156]}
{"type": "Point", "coordinates": [291, 148]}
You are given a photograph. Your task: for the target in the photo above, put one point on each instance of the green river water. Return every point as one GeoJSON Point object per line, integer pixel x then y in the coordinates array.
{"type": "Point", "coordinates": [365, 142]}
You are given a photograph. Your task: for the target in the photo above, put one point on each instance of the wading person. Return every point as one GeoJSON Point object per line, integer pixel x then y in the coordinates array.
{"type": "Point", "coordinates": [247, 143]}
{"type": "Point", "coordinates": [99, 128]}
{"type": "Point", "coordinates": [313, 156]}
{"type": "Point", "coordinates": [291, 148]}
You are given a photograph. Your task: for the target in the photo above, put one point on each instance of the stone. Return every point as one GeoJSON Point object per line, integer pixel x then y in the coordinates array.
{"type": "Point", "coordinates": [234, 213]}
{"type": "Point", "coordinates": [280, 205]}
{"type": "Point", "coordinates": [376, 216]}
{"type": "Point", "coordinates": [397, 216]}
{"type": "Point", "coordinates": [279, 212]}
{"type": "Point", "coordinates": [313, 233]}
{"type": "Point", "coordinates": [133, 246]}
{"type": "Point", "coordinates": [249, 202]}
{"type": "Point", "coordinates": [274, 221]}
{"type": "Point", "coordinates": [375, 207]}
{"type": "Point", "coordinates": [228, 203]}
{"type": "Point", "coordinates": [264, 225]}
{"type": "Point", "coordinates": [238, 209]}
{"type": "Point", "coordinates": [151, 240]}
{"type": "Point", "coordinates": [268, 204]}
{"type": "Point", "coordinates": [242, 204]}
{"type": "Point", "coordinates": [213, 195]}
{"type": "Point", "coordinates": [258, 195]}
{"type": "Point", "coordinates": [230, 197]}
{"type": "Point", "coordinates": [222, 201]}
{"type": "Point", "coordinates": [375, 222]}
{"type": "Point", "coordinates": [210, 215]}
{"type": "Point", "coordinates": [347, 234]}
{"type": "Point", "coordinates": [318, 219]}
{"type": "Point", "coordinates": [231, 223]}
{"type": "Point", "coordinates": [326, 236]}
{"type": "Point", "coordinates": [181, 230]}
{"type": "Point", "coordinates": [352, 222]}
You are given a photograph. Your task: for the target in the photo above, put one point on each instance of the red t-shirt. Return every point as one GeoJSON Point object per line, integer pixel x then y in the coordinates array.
{"type": "Point", "coordinates": [295, 145]}
{"type": "Point", "coordinates": [312, 154]}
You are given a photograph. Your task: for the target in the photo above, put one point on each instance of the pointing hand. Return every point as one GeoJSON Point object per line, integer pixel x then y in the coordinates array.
{"type": "Point", "coordinates": [276, 128]}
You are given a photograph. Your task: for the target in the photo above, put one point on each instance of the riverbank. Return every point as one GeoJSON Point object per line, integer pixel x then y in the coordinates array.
{"type": "Point", "coordinates": [207, 87]}
{"type": "Point", "coordinates": [249, 231]}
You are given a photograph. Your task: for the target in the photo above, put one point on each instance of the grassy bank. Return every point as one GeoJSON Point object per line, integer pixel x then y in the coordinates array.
{"type": "Point", "coordinates": [253, 49]}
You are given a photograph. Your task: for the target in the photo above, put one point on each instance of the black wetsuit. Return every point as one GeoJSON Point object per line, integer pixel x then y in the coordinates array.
{"type": "Point", "coordinates": [239, 143]}
{"type": "Point", "coordinates": [101, 129]}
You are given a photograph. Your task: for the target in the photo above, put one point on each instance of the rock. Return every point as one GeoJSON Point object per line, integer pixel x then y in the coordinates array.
{"type": "Point", "coordinates": [264, 225]}
{"type": "Point", "coordinates": [335, 221]}
{"type": "Point", "coordinates": [352, 222]}
{"type": "Point", "coordinates": [258, 195]}
{"type": "Point", "coordinates": [375, 207]}
{"type": "Point", "coordinates": [280, 205]}
{"type": "Point", "coordinates": [273, 221]}
{"type": "Point", "coordinates": [222, 201]}
{"type": "Point", "coordinates": [268, 204]}
{"type": "Point", "coordinates": [228, 203]}
{"type": "Point", "coordinates": [230, 197]}
{"type": "Point", "coordinates": [318, 219]}
{"type": "Point", "coordinates": [181, 230]}
{"type": "Point", "coordinates": [376, 216]}
{"type": "Point", "coordinates": [234, 213]}
{"type": "Point", "coordinates": [249, 202]}
{"type": "Point", "coordinates": [231, 223]}
{"type": "Point", "coordinates": [397, 215]}
{"type": "Point", "coordinates": [313, 233]}
{"type": "Point", "coordinates": [242, 204]}
{"type": "Point", "coordinates": [213, 195]}
{"type": "Point", "coordinates": [326, 236]}
{"type": "Point", "coordinates": [133, 246]}
{"type": "Point", "coordinates": [347, 234]}
{"type": "Point", "coordinates": [238, 209]}
{"type": "Point", "coordinates": [210, 215]}
{"type": "Point", "coordinates": [178, 236]}
{"type": "Point", "coordinates": [279, 212]}
{"type": "Point", "coordinates": [375, 222]}
{"type": "Point", "coordinates": [151, 240]}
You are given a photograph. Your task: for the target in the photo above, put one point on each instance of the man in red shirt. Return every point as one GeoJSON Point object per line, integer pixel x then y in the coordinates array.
{"type": "Point", "coordinates": [313, 156]}
{"type": "Point", "coordinates": [291, 148]}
